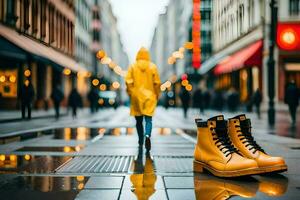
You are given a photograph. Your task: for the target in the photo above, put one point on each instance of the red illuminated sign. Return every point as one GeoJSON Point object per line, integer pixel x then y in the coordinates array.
{"type": "Point", "coordinates": [196, 35]}
{"type": "Point", "coordinates": [288, 36]}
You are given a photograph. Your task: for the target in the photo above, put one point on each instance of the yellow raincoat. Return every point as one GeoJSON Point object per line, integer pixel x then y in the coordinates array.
{"type": "Point", "coordinates": [143, 85]}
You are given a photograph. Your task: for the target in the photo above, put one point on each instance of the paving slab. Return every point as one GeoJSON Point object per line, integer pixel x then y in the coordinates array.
{"type": "Point", "coordinates": [128, 182]}
{"type": "Point", "coordinates": [102, 182]}
{"type": "Point", "coordinates": [98, 194]}
{"type": "Point", "coordinates": [143, 194]}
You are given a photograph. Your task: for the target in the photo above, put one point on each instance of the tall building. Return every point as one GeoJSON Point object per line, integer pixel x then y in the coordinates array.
{"type": "Point", "coordinates": [205, 33]}
{"type": "Point", "coordinates": [110, 41]}
{"type": "Point", "coordinates": [171, 32]}
{"type": "Point", "coordinates": [37, 43]}
{"type": "Point", "coordinates": [83, 42]}
{"type": "Point", "coordinates": [240, 46]}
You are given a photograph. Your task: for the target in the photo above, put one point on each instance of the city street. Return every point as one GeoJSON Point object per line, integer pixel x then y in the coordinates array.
{"type": "Point", "coordinates": [97, 157]}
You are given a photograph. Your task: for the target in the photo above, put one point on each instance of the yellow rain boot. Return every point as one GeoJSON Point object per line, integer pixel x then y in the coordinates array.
{"type": "Point", "coordinates": [210, 187]}
{"type": "Point", "coordinates": [215, 152]}
{"type": "Point", "coordinates": [240, 135]}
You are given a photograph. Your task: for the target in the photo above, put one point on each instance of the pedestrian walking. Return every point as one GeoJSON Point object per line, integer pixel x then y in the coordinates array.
{"type": "Point", "coordinates": [232, 100]}
{"type": "Point", "coordinates": [218, 100]}
{"type": "Point", "coordinates": [198, 100]}
{"type": "Point", "coordinates": [291, 98]}
{"type": "Point", "coordinates": [26, 95]}
{"type": "Point", "coordinates": [74, 101]}
{"type": "Point", "coordinates": [185, 98]}
{"type": "Point", "coordinates": [57, 96]}
{"type": "Point", "coordinates": [143, 88]}
{"type": "Point", "coordinates": [206, 99]}
{"type": "Point", "coordinates": [93, 98]}
{"type": "Point", "coordinates": [257, 99]}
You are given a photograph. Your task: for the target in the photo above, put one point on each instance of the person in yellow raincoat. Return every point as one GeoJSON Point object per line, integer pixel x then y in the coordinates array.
{"type": "Point", "coordinates": [143, 88]}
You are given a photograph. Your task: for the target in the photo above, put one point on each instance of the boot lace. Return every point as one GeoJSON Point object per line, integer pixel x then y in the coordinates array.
{"type": "Point", "coordinates": [222, 141]}
{"type": "Point", "coordinates": [246, 137]}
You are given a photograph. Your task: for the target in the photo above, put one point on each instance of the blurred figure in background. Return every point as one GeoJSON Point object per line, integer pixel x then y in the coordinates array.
{"type": "Point", "coordinates": [143, 87]}
{"type": "Point", "coordinates": [257, 99]}
{"type": "Point", "coordinates": [206, 99]}
{"type": "Point", "coordinates": [185, 98]}
{"type": "Point", "coordinates": [291, 98]}
{"type": "Point", "coordinates": [232, 100]}
{"type": "Point", "coordinates": [57, 96]}
{"type": "Point", "coordinates": [198, 100]}
{"type": "Point", "coordinates": [26, 96]}
{"type": "Point", "coordinates": [75, 101]}
{"type": "Point", "coordinates": [218, 100]}
{"type": "Point", "coordinates": [93, 98]}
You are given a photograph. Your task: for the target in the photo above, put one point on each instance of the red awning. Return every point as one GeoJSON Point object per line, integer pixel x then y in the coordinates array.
{"type": "Point", "coordinates": [247, 57]}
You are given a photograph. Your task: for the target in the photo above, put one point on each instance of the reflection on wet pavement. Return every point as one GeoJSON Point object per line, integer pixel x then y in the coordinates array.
{"type": "Point", "coordinates": [43, 187]}
{"type": "Point", "coordinates": [119, 131]}
{"type": "Point", "coordinates": [211, 187]}
{"type": "Point", "coordinates": [80, 133]}
{"type": "Point", "coordinates": [275, 185]}
{"type": "Point", "coordinates": [30, 164]}
{"type": "Point", "coordinates": [65, 149]}
{"type": "Point", "coordinates": [164, 131]}
{"type": "Point", "coordinates": [144, 177]}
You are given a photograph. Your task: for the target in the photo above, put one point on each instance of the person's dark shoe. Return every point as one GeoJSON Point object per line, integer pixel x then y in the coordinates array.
{"type": "Point", "coordinates": [148, 143]}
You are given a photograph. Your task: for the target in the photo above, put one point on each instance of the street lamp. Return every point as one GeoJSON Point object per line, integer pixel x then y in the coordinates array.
{"type": "Point", "coordinates": [271, 63]}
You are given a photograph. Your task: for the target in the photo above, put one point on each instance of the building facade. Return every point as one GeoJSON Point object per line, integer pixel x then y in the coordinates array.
{"type": "Point", "coordinates": [83, 42]}
{"type": "Point", "coordinates": [37, 43]}
{"type": "Point", "coordinates": [240, 46]}
{"type": "Point", "coordinates": [171, 32]}
{"type": "Point", "coordinates": [111, 43]}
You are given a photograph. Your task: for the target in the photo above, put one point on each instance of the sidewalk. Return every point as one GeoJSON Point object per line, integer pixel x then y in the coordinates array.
{"type": "Point", "coordinates": [16, 115]}
{"type": "Point", "coordinates": [113, 167]}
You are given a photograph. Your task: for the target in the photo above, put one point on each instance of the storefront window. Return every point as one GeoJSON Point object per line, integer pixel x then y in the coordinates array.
{"type": "Point", "coordinates": [8, 83]}
{"type": "Point", "coordinates": [243, 85]}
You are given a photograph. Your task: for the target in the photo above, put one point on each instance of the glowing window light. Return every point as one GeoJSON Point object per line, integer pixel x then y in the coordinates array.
{"type": "Point", "coordinates": [95, 82]}
{"type": "Point", "coordinates": [67, 72]}
{"type": "Point", "coordinates": [102, 87]}
{"type": "Point", "coordinates": [12, 79]}
{"type": "Point", "coordinates": [27, 73]}
{"type": "Point", "coordinates": [2, 79]}
{"type": "Point", "coordinates": [189, 87]}
{"type": "Point", "coordinates": [105, 60]}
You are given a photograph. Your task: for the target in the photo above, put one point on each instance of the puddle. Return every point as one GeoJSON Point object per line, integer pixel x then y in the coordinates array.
{"type": "Point", "coordinates": [66, 149]}
{"type": "Point", "coordinates": [43, 187]}
{"type": "Point", "coordinates": [30, 164]}
{"type": "Point", "coordinates": [79, 133]}
{"type": "Point", "coordinates": [118, 131]}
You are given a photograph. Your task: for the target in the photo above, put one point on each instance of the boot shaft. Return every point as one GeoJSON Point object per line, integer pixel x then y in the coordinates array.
{"type": "Point", "coordinates": [239, 130]}
{"type": "Point", "coordinates": [210, 140]}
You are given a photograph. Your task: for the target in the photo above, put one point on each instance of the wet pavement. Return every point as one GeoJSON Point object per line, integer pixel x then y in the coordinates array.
{"type": "Point", "coordinates": [101, 160]}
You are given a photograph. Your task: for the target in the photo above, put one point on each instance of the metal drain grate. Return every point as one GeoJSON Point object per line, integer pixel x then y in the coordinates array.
{"type": "Point", "coordinates": [173, 164]}
{"type": "Point", "coordinates": [97, 164]}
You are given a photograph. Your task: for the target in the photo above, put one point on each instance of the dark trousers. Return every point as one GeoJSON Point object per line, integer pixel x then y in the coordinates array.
{"type": "Point", "coordinates": [293, 110]}
{"type": "Point", "coordinates": [257, 106]}
{"type": "Point", "coordinates": [140, 127]}
{"type": "Point", "coordinates": [74, 111]}
{"type": "Point", "coordinates": [56, 107]}
{"type": "Point", "coordinates": [24, 106]}
{"type": "Point", "coordinates": [185, 109]}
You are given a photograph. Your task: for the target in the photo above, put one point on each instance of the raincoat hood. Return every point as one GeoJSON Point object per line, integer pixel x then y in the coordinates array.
{"type": "Point", "coordinates": [143, 59]}
{"type": "Point", "coordinates": [143, 54]}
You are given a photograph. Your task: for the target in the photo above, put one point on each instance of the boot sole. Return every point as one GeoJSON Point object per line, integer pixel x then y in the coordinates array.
{"type": "Point", "coordinates": [200, 166]}
{"type": "Point", "coordinates": [273, 169]}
